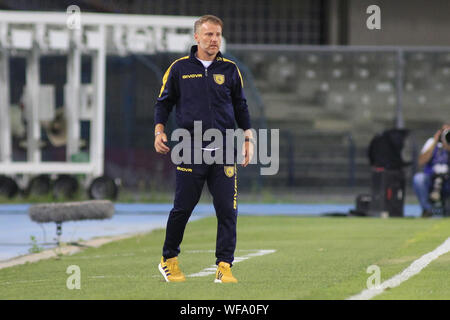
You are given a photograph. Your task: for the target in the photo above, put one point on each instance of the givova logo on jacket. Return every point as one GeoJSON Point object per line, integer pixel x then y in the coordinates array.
{"type": "Point", "coordinates": [192, 76]}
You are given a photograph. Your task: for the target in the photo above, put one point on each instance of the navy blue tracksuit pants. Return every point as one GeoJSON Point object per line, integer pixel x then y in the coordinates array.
{"type": "Point", "coordinates": [222, 184]}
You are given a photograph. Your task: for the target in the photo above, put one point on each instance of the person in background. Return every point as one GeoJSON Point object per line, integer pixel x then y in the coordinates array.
{"type": "Point", "coordinates": [435, 160]}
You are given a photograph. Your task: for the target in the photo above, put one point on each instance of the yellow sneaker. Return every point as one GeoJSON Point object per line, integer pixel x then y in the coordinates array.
{"type": "Point", "coordinates": [170, 270]}
{"type": "Point", "coordinates": [223, 274]}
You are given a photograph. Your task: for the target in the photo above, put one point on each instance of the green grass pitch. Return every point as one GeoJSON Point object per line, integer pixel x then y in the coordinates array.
{"type": "Point", "coordinates": [315, 258]}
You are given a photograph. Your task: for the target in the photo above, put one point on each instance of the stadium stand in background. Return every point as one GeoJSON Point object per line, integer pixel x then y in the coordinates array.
{"type": "Point", "coordinates": [328, 101]}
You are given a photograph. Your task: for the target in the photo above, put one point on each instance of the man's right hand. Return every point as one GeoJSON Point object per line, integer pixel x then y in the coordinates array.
{"type": "Point", "coordinates": [437, 135]}
{"type": "Point", "coordinates": [160, 145]}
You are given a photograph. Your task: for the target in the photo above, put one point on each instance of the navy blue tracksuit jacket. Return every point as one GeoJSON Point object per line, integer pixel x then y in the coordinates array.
{"type": "Point", "coordinates": [215, 96]}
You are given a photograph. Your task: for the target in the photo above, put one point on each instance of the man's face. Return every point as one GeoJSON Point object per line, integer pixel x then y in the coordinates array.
{"type": "Point", "coordinates": [209, 38]}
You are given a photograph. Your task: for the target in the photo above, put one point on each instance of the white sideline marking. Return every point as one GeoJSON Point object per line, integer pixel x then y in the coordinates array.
{"type": "Point", "coordinates": [128, 276]}
{"type": "Point", "coordinates": [64, 250]}
{"type": "Point", "coordinates": [212, 270]}
{"type": "Point", "coordinates": [412, 270]}
{"type": "Point", "coordinates": [213, 251]}
{"type": "Point", "coordinates": [130, 254]}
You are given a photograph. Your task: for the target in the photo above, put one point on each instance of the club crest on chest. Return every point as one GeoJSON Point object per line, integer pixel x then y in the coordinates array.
{"type": "Point", "coordinates": [219, 78]}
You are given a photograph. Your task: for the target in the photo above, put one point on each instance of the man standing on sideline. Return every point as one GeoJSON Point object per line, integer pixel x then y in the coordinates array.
{"type": "Point", "coordinates": [205, 87]}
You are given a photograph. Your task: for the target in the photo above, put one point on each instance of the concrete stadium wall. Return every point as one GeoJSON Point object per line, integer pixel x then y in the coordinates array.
{"type": "Point", "coordinates": [403, 22]}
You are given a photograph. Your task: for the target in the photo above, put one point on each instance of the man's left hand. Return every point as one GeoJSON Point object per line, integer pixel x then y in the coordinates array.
{"type": "Point", "coordinates": [247, 152]}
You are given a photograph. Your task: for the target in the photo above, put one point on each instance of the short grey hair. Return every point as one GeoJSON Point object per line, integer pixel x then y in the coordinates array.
{"type": "Point", "coordinates": [207, 18]}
